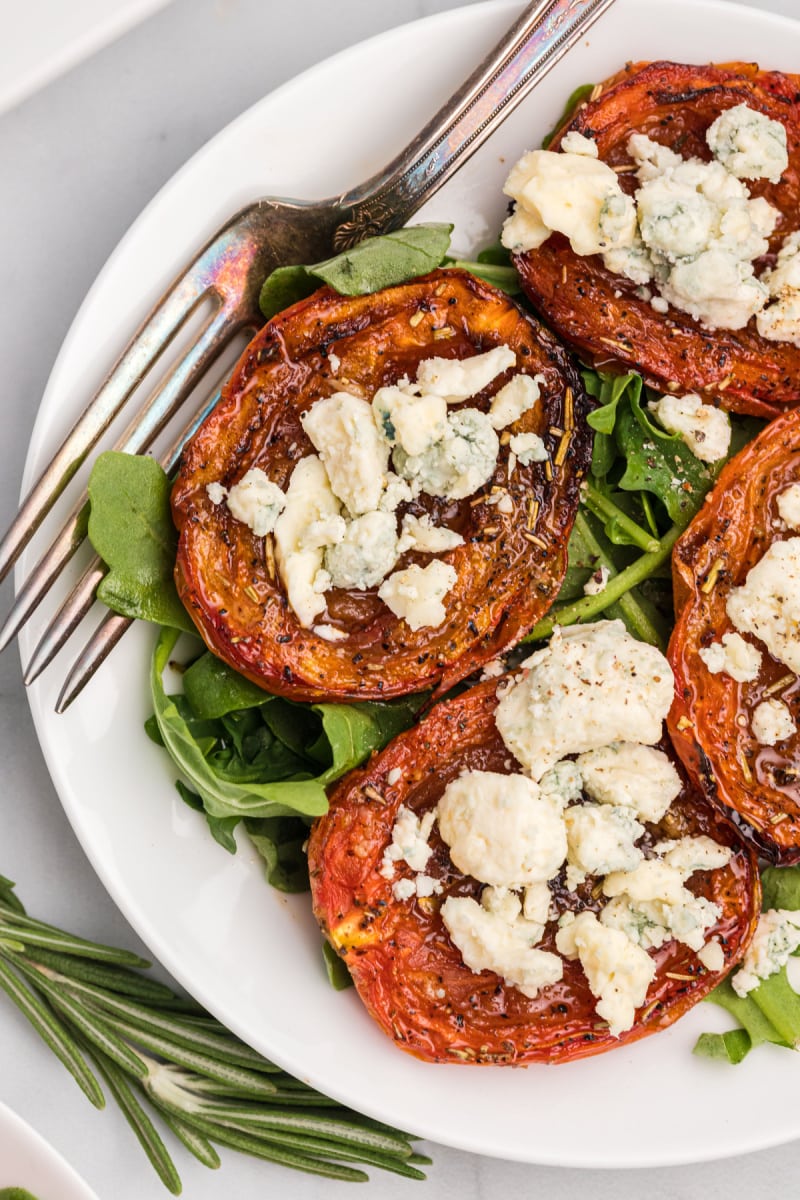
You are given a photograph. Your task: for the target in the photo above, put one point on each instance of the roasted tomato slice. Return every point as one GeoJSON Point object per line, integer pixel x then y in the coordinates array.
{"type": "Point", "coordinates": [711, 719]}
{"type": "Point", "coordinates": [599, 313]}
{"type": "Point", "coordinates": [408, 972]}
{"type": "Point", "coordinates": [511, 564]}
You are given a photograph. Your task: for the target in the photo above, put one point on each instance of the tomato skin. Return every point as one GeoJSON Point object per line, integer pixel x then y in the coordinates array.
{"type": "Point", "coordinates": [599, 314]}
{"type": "Point", "coordinates": [710, 719]}
{"type": "Point", "coordinates": [506, 581]}
{"type": "Point", "coordinates": [400, 955]}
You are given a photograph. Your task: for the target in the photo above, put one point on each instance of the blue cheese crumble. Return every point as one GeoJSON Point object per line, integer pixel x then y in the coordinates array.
{"type": "Point", "coordinates": [692, 231]}
{"type": "Point", "coordinates": [591, 685]}
{"type": "Point", "coordinates": [502, 829]}
{"type": "Point", "coordinates": [777, 937]}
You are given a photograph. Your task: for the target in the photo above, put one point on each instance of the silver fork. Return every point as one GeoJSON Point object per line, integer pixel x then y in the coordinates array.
{"type": "Point", "coordinates": [229, 272]}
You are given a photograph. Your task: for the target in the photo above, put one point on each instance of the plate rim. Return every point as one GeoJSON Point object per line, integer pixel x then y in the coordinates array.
{"type": "Point", "coordinates": [24, 1133]}
{"type": "Point", "coordinates": [118, 890]}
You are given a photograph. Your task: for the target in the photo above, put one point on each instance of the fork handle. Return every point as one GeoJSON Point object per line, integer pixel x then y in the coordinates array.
{"type": "Point", "coordinates": [544, 32]}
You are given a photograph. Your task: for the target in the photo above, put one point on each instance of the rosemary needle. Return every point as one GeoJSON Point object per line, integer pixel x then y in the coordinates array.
{"type": "Point", "coordinates": [156, 1050]}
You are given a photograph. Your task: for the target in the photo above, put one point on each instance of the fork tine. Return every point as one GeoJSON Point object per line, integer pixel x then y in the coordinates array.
{"type": "Point", "coordinates": [45, 573]}
{"type": "Point", "coordinates": [96, 651]}
{"type": "Point", "coordinates": [144, 349]}
{"type": "Point", "coordinates": [67, 619]}
{"type": "Point", "coordinates": [81, 598]}
{"type": "Point", "coordinates": [161, 405]}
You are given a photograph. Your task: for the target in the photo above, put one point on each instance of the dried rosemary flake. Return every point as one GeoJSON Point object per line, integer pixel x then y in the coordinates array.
{"type": "Point", "coordinates": [778, 685]}
{"type": "Point", "coordinates": [563, 447]}
{"type": "Point", "coordinates": [710, 581]}
{"type": "Point", "coordinates": [745, 765]}
{"type": "Point", "coordinates": [269, 557]}
{"type": "Point", "coordinates": [569, 413]}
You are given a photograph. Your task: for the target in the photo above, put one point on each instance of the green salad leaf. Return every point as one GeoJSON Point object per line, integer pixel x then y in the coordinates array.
{"type": "Point", "coordinates": [771, 1011]}
{"type": "Point", "coordinates": [246, 755]}
{"type": "Point", "coordinates": [643, 488]}
{"type": "Point", "coordinates": [654, 461]}
{"type": "Point", "coordinates": [373, 264]}
{"type": "Point", "coordinates": [280, 841]}
{"type": "Point", "coordinates": [213, 689]}
{"type": "Point", "coordinates": [338, 975]}
{"type": "Point", "coordinates": [131, 528]}
{"type": "Point", "coordinates": [780, 888]}
{"type": "Point", "coordinates": [731, 1047]}
{"type": "Point", "coordinates": [579, 96]}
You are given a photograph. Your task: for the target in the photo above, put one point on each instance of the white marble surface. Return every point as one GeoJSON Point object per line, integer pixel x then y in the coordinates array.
{"type": "Point", "coordinates": [79, 160]}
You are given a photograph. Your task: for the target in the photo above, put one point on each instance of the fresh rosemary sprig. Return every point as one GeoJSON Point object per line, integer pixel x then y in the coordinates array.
{"type": "Point", "coordinates": [101, 1018]}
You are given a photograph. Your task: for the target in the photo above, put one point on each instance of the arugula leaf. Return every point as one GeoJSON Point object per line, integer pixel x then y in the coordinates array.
{"type": "Point", "coordinates": [583, 560]}
{"type": "Point", "coordinates": [608, 390]}
{"type": "Point", "coordinates": [355, 730]}
{"type": "Point", "coordinates": [747, 1012]}
{"type": "Point", "coordinates": [338, 975]}
{"type": "Point", "coordinates": [771, 1011]}
{"type": "Point", "coordinates": [504, 278]}
{"type": "Point", "coordinates": [130, 527]}
{"type": "Point", "coordinates": [578, 96]}
{"type": "Point", "coordinates": [284, 287]}
{"type": "Point", "coordinates": [495, 255]}
{"type": "Point", "coordinates": [214, 689]}
{"type": "Point", "coordinates": [222, 797]}
{"type": "Point", "coordinates": [780, 887]}
{"type": "Point", "coordinates": [280, 842]}
{"type": "Point", "coordinates": [780, 1005]}
{"type": "Point", "coordinates": [373, 264]}
{"type": "Point", "coordinates": [660, 463]}
{"type": "Point", "coordinates": [221, 828]}
{"type": "Point", "coordinates": [731, 1047]}
{"type": "Point", "coordinates": [270, 760]}
{"type": "Point", "coordinates": [654, 461]}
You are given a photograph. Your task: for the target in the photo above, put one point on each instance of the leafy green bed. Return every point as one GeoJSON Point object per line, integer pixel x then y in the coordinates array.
{"type": "Point", "coordinates": [247, 758]}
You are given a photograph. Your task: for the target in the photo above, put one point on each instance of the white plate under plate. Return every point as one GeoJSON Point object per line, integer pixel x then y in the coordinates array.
{"type": "Point", "coordinates": [28, 1161]}
{"type": "Point", "coordinates": [247, 952]}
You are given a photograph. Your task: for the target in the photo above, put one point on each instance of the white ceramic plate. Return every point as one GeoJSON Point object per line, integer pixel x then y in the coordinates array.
{"type": "Point", "coordinates": [248, 953]}
{"type": "Point", "coordinates": [27, 1161]}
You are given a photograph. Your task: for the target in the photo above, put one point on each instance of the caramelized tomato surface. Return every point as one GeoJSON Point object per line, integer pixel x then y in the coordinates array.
{"type": "Point", "coordinates": [711, 718]}
{"type": "Point", "coordinates": [511, 564]}
{"type": "Point", "coordinates": [409, 974]}
{"type": "Point", "coordinates": [599, 313]}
